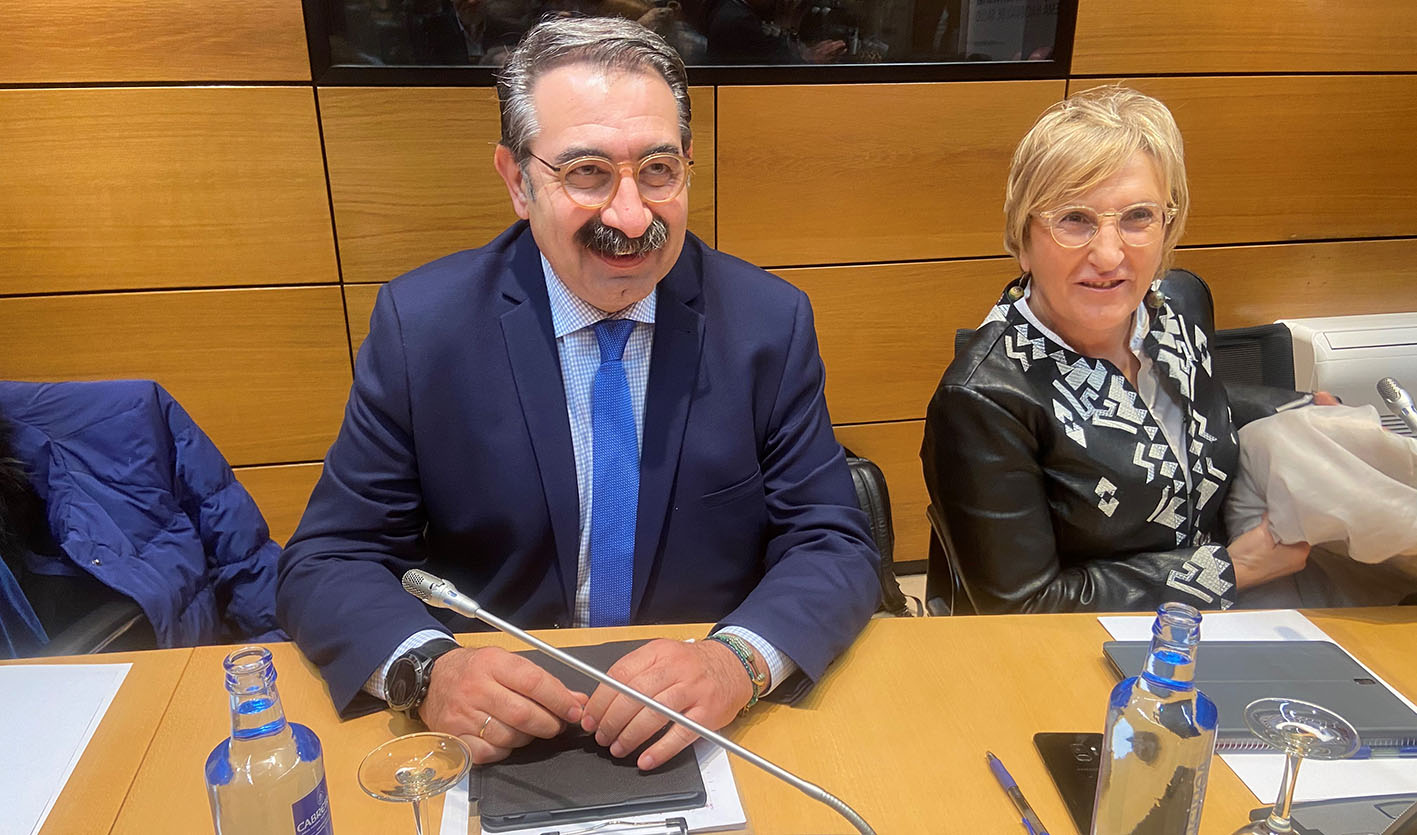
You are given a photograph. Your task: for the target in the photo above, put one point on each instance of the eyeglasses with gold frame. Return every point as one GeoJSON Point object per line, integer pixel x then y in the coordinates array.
{"type": "Point", "coordinates": [1140, 224]}
{"type": "Point", "coordinates": [592, 181]}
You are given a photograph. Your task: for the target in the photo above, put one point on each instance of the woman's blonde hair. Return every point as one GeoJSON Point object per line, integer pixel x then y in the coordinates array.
{"type": "Point", "coordinates": [1081, 141]}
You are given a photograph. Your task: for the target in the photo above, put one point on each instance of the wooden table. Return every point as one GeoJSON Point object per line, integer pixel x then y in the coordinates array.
{"type": "Point", "coordinates": [897, 729]}
{"type": "Point", "coordinates": [95, 790]}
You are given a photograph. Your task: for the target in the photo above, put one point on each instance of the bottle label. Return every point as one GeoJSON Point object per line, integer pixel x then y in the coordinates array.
{"type": "Point", "coordinates": [312, 812]}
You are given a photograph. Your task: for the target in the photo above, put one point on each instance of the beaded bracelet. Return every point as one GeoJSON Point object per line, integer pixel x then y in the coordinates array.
{"type": "Point", "coordinates": [744, 651]}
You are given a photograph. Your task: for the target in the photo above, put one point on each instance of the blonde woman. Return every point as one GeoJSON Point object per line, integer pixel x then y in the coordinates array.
{"type": "Point", "coordinates": [1079, 448]}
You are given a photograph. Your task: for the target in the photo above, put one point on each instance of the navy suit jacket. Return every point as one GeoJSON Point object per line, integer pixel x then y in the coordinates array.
{"type": "Point", "coordinates": [455, 455]}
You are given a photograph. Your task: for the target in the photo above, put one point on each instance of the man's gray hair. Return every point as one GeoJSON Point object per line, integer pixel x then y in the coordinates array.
{"type": "Point", "coordinates": [607, 43]}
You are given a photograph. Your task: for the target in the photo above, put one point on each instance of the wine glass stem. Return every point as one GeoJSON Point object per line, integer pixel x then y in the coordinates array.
{"type": "Point", "coordinates": [420, 818]}
{"type": "Point", "coordinates": [1279, 818]}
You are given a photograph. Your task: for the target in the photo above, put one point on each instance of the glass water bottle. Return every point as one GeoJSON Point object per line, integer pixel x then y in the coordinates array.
{"type": "Point", "coordinates": [1159, 739]}
{"type": "Point", "coordinates": [268, 778]}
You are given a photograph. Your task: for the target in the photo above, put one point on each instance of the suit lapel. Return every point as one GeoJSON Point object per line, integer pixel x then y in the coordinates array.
{"type": "Point", "coordinates": [536, 370]}
{"type": "Point", "coordinates": [673, 373]}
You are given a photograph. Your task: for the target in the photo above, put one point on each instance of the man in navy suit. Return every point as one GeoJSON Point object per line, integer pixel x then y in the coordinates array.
{"type": "Point", "coordinates": [594, 419]}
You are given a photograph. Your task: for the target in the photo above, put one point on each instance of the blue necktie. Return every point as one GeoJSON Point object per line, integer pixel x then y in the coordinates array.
{"type": "Point", "coordinates": [615, 483]}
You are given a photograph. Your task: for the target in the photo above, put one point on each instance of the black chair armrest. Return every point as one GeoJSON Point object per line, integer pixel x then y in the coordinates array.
{"type": "Point", "coordinates": [96, 630]}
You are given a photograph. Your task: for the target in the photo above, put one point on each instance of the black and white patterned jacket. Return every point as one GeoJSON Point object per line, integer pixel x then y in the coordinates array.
{"type": "Point", "coordinates": [1056, 485]}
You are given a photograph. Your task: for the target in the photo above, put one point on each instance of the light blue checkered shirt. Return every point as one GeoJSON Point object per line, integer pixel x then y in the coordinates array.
{"type": "Point", "coordinates": [573, 323]}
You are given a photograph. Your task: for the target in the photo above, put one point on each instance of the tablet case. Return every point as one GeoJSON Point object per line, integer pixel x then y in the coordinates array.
{"type": "Point", "coordinates": [1235, 673]}
{"type": "Point", "coordinates": [1390, 814]}
{"type": "Point", "coordinates": [570, 779]}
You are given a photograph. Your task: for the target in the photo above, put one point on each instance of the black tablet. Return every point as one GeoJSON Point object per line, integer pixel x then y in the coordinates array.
{"type": "Point", "coordinates": [571, 779]}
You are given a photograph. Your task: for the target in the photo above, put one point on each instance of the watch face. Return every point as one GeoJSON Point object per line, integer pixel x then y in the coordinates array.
{"type": "Point", "coordinates": [401, 683]}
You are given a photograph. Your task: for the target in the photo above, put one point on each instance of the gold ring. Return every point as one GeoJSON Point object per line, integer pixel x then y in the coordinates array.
{"type": "Point", "coordinates": [485, 723]}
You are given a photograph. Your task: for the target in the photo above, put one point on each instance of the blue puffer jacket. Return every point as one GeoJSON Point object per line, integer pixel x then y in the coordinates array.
{"type": "Point", "coordinates": [141, 499]}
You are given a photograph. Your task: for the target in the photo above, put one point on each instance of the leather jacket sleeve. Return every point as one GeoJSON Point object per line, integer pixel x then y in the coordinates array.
{"type": "Point", "coordinates": [982, 470]}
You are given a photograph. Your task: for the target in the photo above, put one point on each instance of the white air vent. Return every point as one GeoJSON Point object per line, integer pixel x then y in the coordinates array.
{"type": "Point", "coordinates": [1347, 355]}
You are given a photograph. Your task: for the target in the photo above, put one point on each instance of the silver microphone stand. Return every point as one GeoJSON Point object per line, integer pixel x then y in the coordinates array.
{"type": "Point", "coordinates": [439, 592]}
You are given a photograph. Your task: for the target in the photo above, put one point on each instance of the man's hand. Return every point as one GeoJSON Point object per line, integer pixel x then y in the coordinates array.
{"type": "Point", "coordinates": [703, 680]}
{"type": "Point", "coordinates": [1258, 558]}
{"type": "Point", "coordinates": [496, 701]}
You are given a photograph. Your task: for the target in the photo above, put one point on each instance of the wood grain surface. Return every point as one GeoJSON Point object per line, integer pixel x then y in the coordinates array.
{"type": "Point", "coordinates": [837, 174]}
{"type": "Point", "coordinates": [886, 332]}
{"type": "Point", "coordinates": [1255, 285]}
{"type": "Point", "coordinates": [265, 372]}
{"type": "Point", "coordinates": [94, 792]}
{"type": "Point", "coordinates": [129, 188]}
{"type": "Point", "coordinates": [1220, 36]}
{"type": "Point", "coordinates": [155, 40]}
{"type": "Point", "coordinates": [281, 492]}
{"type": "Point", "coordinates": [1285, 158]}
{"type": "Point", "coordinates": [897, 728]}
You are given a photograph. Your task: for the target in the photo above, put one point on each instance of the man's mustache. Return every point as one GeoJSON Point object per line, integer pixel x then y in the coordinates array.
{"type": "Point", "coordinates": [607, 240]}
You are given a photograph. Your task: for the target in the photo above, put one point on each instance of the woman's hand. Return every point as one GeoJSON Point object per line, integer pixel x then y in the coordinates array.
{"type": "Point", "coordinates": [1323, 398]}
{"type": "Point", "coordinates": [1259, 559]}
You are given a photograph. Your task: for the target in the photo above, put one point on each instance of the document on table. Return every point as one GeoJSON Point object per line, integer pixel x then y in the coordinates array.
{"type": "Point", "coordinates": [48, 713]}
{"type": "Point", "coordinates": [723, 811]}
{"type": "Point", "coordinates": [1260, 771]}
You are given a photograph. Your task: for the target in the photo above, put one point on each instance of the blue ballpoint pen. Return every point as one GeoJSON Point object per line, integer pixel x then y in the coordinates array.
{"type": "Point", "coordinates": [1030, 818]}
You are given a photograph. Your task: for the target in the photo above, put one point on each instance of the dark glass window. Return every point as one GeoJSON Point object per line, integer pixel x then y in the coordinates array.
{"type": "Point", "coordinates": [1031, 37]}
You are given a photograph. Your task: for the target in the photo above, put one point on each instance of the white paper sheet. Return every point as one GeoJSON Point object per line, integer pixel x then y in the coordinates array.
{"type": "Point", "coordinates": [723, 811]}
{"type": "Point", "coordinates": [455, 810]}
{"type": "Point", "coordinates": [48, 713]}
{"type": "Point", "coordinates": [1282, 625]}
{"type": "Point", "coordinates": [1260, 771]}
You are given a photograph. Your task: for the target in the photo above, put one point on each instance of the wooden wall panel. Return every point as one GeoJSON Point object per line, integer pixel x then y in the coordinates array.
{"type": "Point", "coordinates": [161, 187]}
{"type": "Point", "coordinates": [1118, 37]}
{"type": "Point", "coordinates": [358, 305]}
{"type": "Point", "coordinates": [281, 492]}
{"type": "Point", "coordinates": [1295, 158]}
{"type": "Point", "coordinates": [895, 447]}
{"type": "Point", "coordinates": [703, 189]}
{"type": "Point", "coordinates": [412, 180]}
{"type": "Point", "coordinates": [857, 173]}
{"type": "Point", "coordinates": [1255, 285]}
{"type": "Point", "coordinates": [155, 40]}
{"type": "Point", "coordinates": [887, 332]}
{"type": "Point", "coordinates": [265, 372]}
{"type": "Point", "coordinates": [411, 175]}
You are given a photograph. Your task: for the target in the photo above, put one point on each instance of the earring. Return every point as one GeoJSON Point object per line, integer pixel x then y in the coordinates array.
{"type": "Point", "coordinates": [1016, 292]}
{"type": "Point", "coordinates": [1154, 297]}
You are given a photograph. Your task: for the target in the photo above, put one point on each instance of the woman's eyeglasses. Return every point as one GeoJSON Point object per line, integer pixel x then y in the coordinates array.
{"type": "Point", "coordinates": [1139, 224]}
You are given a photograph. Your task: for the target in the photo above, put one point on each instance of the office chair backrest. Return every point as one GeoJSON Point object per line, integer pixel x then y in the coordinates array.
{"type": "Point", "coordinates": [944, 590]}
{"type": "Point", "coordinates": [1262, 355]}
{"type": "Point", "coordinates": [875, 501]}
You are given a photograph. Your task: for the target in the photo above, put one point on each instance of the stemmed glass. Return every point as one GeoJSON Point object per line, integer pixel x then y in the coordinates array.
{"type": "Point", "coordinates": [1301, 730]}
{"type": "Point", "coordinates": [414, 768]}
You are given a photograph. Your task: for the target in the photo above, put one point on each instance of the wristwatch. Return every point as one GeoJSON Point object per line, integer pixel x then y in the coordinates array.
{"type": "Point", "coordinates": [406, 685]}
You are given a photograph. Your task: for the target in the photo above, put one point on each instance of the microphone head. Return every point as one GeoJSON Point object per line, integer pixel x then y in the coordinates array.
{"type": "Point", "coordinates": [425, 586]}
{"type": "Point", "coordinates": [1391, 392]}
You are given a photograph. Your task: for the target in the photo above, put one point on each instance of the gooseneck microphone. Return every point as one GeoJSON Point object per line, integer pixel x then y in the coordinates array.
{"type": "Point", "coordinates": [1399, 402]}
{"type": "Point", "coordinates": [438, 592]}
